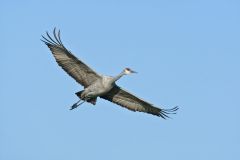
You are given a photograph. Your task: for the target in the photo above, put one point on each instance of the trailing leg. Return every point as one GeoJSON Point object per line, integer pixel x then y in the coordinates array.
{"type": "Point", "coordinates": [75, 105]}
{"type": "Point", "coordinates": [87, 98]}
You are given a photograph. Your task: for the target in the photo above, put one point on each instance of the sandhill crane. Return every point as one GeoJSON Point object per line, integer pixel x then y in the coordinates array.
{"type": "Point", "coordinates": [96, 85]}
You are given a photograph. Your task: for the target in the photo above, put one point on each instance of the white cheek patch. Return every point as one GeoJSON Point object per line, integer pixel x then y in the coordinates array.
{"type": "Point", "coordinates": [127, 72]}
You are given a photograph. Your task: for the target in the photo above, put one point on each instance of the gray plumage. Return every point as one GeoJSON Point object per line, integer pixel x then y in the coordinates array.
{"type": "Point", "coordinates": [96, 85]}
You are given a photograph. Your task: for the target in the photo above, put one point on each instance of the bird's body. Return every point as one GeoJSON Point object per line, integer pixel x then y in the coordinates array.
{"type": "Point", "coordinates": [100, 87]}
{"type": "Point", "coordinates": [96, 85]}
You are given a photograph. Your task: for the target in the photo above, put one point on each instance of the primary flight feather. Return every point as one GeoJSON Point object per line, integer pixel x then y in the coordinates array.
{"type": "Point", "coordinates": [96, 85]}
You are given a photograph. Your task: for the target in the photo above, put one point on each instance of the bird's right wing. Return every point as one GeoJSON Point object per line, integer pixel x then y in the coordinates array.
{"type": "Point", "coordinates": [73, 66]}
{"type": "Point", "coordinates": [125, 99]}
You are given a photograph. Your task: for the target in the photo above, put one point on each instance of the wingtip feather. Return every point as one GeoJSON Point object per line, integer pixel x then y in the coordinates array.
{"type": "Point", "coordinates": [165, 112]}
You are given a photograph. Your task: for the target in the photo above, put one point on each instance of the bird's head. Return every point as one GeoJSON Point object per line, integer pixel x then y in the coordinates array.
{"type": "Point", "coordinates": [128, 71]}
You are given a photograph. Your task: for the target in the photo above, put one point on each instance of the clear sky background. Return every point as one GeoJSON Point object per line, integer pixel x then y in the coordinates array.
{"type": "Point", "coordinates": [187, 53]}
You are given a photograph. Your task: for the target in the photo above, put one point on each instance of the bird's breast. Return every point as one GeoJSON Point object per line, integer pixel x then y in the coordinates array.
{"type": "Point", "coordinates": [101, 86]}
{"type": "Point", "coordinates": [107, 82]}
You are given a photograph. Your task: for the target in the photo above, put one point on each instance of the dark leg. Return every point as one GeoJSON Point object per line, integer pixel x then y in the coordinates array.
{"type": "Point", "coordinates": [85, 99]}
{"type": "Point", "coordinates": [75, 105]}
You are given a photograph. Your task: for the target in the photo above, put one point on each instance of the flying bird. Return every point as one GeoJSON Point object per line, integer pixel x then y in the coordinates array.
{"type": "Point", "coordinates": [97, 85]}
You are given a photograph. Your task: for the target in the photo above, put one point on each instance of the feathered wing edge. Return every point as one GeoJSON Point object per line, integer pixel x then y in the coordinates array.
{"type": "Point", "coordinates": [57, 36]}
{"type": "Point", "coordinates": [165, 112]}
{"type": "Point", "coordinates": [74, 67]}
{"type": "Point", "coordinates": [129, 101]}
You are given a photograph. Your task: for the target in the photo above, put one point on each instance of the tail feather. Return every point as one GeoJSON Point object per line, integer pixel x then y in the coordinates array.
{"type": "Point", "coordinates": [79, 94]}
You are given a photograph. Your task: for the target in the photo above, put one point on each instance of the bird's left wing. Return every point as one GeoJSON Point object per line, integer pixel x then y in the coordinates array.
{"type": "Point", "coordinates": [73, 66]}
{"type": "Point", "coordinates": [125, 99]}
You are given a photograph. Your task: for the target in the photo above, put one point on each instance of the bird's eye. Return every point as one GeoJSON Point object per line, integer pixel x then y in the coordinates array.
{"type": "Point", "coordinates": [128, 69]}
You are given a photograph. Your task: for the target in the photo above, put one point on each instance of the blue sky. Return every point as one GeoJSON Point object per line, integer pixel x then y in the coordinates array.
{"type": "Point", "coordinates": [187, 53]}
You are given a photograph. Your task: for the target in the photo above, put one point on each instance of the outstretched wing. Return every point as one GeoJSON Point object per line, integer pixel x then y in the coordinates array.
{"type": "Point", "coordinates": [73, 66]}
{"type": "Point", "coordinates": [131, 102]}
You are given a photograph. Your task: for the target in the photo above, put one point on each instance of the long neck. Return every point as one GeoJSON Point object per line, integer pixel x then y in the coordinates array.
{"type": "Point", "coordinates": [118, 76]}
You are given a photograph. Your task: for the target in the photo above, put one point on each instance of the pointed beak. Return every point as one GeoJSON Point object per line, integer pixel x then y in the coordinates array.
{"type": "Point", "coordinates": [133, 71]}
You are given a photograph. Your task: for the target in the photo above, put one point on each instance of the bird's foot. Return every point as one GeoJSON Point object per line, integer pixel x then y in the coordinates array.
{"type": "Point", "coordinates": [75, 105]}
